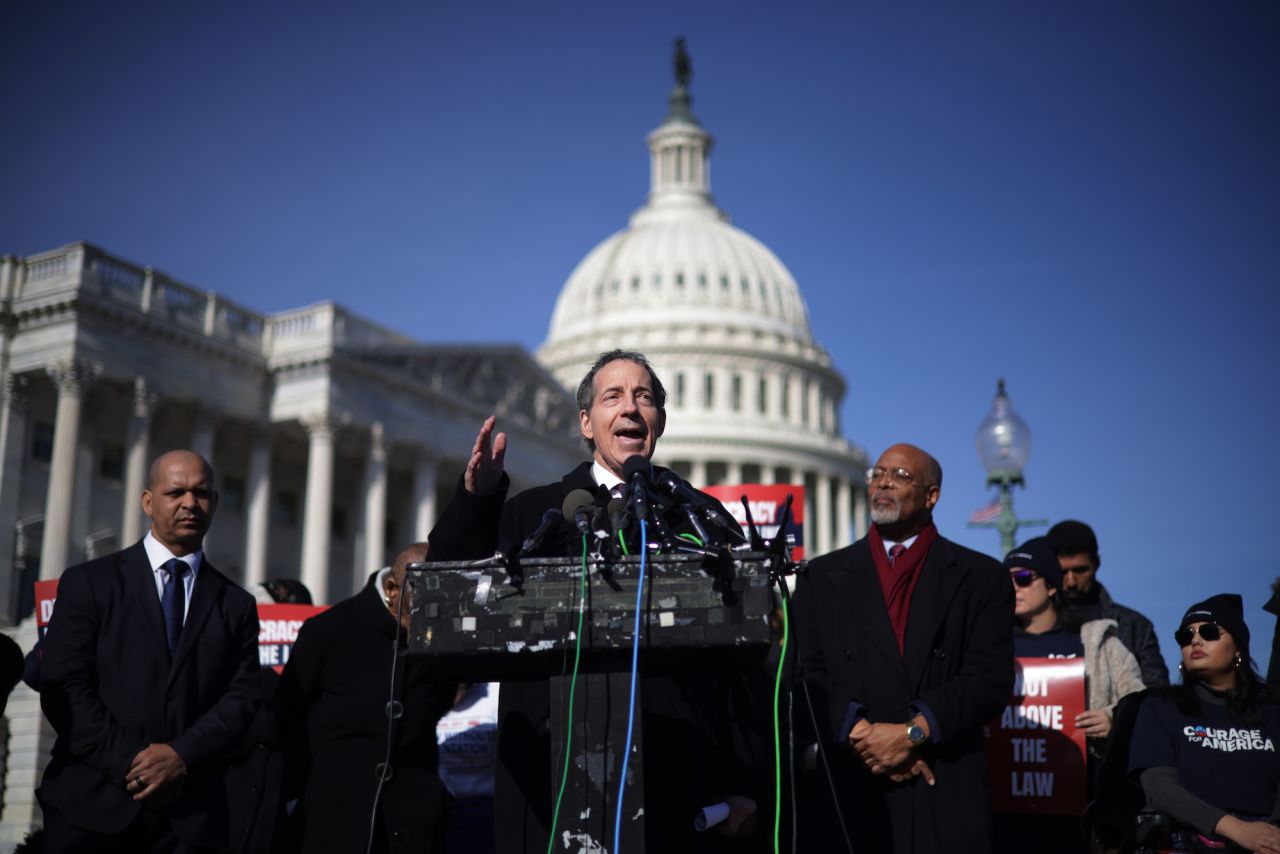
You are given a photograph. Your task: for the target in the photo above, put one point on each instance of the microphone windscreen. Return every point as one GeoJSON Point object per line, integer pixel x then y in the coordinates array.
{"type": "Point", "coordinates": [617, 505]}
{"type": "Point", "coordinates": [575, 500]}
{"type": "Point", "coordinates": [668, 482]}
{"type": "Point", "coordinates": [637, 464]}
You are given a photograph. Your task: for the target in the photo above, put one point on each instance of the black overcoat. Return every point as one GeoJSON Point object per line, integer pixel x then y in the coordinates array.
{"type": "Point", "coordinates": [958, 660]}
{"type": "Point", "coordinates": [695, 754]}
{"type": "Point", "coordinates": [110, 687]}
{"type": "Point", "coordinates": [331, 705]}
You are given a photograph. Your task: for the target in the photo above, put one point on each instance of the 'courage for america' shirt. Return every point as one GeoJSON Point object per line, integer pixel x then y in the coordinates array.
{"type": "Point", "coordinates": [1221, 759]}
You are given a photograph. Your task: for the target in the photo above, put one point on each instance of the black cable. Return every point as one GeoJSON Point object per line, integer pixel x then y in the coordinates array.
{"type": "Point", "coordinates": [391, 719]}
{"type": "Point", "coordinates": [822, 751]}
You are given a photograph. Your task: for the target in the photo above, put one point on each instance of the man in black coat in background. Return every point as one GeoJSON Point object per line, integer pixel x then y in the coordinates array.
{"type": "Point", "coordinates": [150, 679]}
{"type": "Point", "coordinates": [909, 638]}
{"type": "Point", "coordinates": [332, 705]}
{"type": "Point", "coordinates": [688, 764]}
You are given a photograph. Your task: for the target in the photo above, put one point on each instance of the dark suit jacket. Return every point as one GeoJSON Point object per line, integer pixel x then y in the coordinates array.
{"type": "Point", "coordinates": [693, 757]}
{"type": "Point", "coordinates": [110, 688]}
{"type": "Point", "coordinates": [958, 661]}
{"type": "Point", "coordinates": [331, 708]}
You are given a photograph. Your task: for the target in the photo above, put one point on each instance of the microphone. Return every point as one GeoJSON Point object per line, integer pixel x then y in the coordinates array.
{"type": "Point", "coordinates": [549, 520]}
{"type": "Point", "coordinates": [577, 506]}
{"type": "Point", "coordinates": [696, 524]}
{"type": "Point", "coordinates": [673, 485]}
{"type": "Point", "coordinates": [636, 471]}
{"type": "Point", "coordinates": [619, 521]}
{"type": "Point", "coordinates": [600, 523]}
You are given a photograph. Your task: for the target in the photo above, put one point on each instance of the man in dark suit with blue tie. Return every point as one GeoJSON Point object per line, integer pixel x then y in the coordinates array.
{"type": "Point", "coordinates": [150, 675]}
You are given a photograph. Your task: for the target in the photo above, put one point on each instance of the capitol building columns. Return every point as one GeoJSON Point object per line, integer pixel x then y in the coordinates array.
{"type": "Point", "coordinates": [844, 512]}
{"type": "Point", "coordinates": [13, 440]}
{"type": "Point", "coordinates": [257, 505]}
{"type": "Point", "coordinates": [823, 514]}
{"type": "Point", "coordinates": [424, 495]}
{"type": "Point", "coordinates": [204, 430]}
{"type": "Point", "coordinates": [375, 504]}
{"type": "Point", "coordinates": [318, 506]}
{"type": "Point", "coordinates": [71, 378]}
{"type": "Point", "coordinates": [136, 460]}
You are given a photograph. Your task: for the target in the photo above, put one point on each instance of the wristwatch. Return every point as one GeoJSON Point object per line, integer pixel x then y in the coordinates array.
{"type": "Point", "coordinates": [915, 734]}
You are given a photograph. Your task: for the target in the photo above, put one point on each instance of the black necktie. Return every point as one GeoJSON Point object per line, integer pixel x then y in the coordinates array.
{"type": "Point", "coordinates": [895, 552]}
{"type": "Point", "coordinates": [173, 600]}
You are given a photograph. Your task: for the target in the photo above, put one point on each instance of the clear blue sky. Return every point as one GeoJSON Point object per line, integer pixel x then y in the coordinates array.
{"type": "Point", "coordinates": [1081, 197]}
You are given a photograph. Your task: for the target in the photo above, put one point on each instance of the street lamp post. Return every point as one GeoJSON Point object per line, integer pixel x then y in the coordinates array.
{"type": "Point", "coordinates": [1004, 444]}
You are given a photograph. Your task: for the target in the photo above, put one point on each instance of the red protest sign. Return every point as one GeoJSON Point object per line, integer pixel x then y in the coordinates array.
{"type": "Point", "coordinates": [1035, 754]}
{"type": "Point", "coordinates": [278, 629]}
{"type": "Point", "coordinates": [766, 502]}
{"type": "Point", "coordinates": [46, 595]}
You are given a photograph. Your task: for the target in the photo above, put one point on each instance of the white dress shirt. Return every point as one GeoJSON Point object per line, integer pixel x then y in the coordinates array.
{"type": "Point", "coordinates": [158, 555]}
{"type": "Point", "coordinates": [604, 477]}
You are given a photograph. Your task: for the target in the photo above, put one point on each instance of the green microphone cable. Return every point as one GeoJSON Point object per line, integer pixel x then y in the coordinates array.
{"type": "Point", "coordinates": [573, 685]}
{"type": "Point", "coordinates": [777, 733]}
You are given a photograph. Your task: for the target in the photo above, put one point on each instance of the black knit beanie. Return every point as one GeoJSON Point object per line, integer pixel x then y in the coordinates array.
{"type": "Point", "coordinates": [1227, 610]}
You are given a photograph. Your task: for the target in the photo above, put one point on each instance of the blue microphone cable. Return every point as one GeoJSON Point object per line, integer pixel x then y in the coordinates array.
{"type": "Point", "coordinates": [631, 697]}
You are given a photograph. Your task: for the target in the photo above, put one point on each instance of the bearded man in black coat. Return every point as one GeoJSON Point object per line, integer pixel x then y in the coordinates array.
{"type": "Point", "coordinates": [687, 763]}
{"type": "Point", "coordinates": [909, 638]}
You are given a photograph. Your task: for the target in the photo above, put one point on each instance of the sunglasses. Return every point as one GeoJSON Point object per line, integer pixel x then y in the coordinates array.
{"type": "Point", "coordinates": [1207, 631]}
{"type": "Point", "coordinates": [1023, 577]}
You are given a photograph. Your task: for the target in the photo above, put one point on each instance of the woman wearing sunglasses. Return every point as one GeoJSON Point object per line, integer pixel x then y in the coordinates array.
{"type": "Point", "coordinates": [1043, 629]}
{"type": "Point", "coordinates": [1206, 750]}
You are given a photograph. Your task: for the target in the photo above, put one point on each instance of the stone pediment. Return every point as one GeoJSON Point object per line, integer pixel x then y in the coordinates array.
{"type": "Point", "coordinates": [502, 378]}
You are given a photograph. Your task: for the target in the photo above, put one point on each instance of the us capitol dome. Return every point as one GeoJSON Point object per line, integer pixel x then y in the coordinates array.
{"type": "Point", "coordinates": [752, 397]}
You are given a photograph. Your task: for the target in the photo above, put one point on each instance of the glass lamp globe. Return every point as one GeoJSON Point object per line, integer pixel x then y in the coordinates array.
{"type": "Point", "coordinates": [1004, 440]}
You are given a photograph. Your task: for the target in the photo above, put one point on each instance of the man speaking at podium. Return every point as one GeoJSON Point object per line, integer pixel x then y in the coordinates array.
{"type": "Point", "coordinates": [622, 414]}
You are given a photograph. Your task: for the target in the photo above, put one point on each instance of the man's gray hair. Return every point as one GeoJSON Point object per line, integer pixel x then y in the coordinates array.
{"type": "Point", "coordinates": [587, 388]}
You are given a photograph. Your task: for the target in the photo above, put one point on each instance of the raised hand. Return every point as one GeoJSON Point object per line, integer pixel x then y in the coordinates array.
{"type": "Point", "coordinates": [484, 468]}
